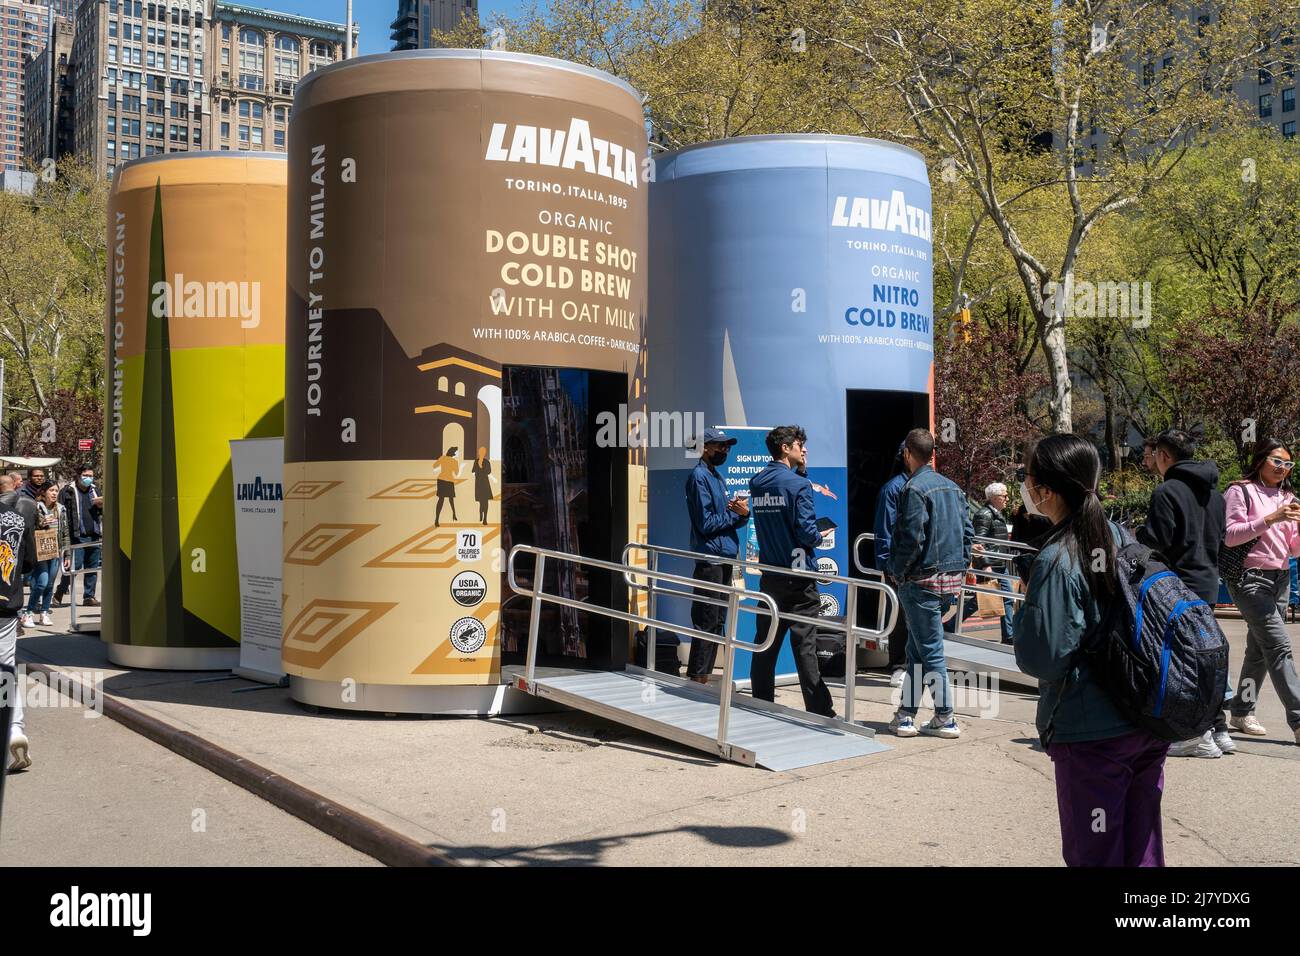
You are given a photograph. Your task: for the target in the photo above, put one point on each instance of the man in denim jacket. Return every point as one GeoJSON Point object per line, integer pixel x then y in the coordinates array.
{"type": "Point", "coordinates": [929, 555]}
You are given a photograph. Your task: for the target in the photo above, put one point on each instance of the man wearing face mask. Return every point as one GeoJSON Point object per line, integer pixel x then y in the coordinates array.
{"type": "Point", "coordinates": [85, 507]}
{"type": "Point", "coordinates": [714, 522]}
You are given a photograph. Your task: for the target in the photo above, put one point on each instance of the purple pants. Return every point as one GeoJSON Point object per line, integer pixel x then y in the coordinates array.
{"type": "Point", "coordinates": [1108, 795]}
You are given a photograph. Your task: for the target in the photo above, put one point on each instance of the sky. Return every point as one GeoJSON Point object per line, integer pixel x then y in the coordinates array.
{"type": "Point", "coordinates": [373, 16]}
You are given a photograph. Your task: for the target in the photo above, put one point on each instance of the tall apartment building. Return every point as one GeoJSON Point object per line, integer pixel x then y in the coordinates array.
{"type": "Point", "coordinates": [63, 8]}
{"type": "Point", "coordinates": [258, 57]}
{"type": "Point", "coordinates": [180, 75]}
{"type": "Point", "coordinates": [24, 30]}
{"type": "Point", "coordinates": [139, 86]}
{"type": "Point", "coordinates": [416, 19]}
{"type": "Point", "coordinates": [48, 98]}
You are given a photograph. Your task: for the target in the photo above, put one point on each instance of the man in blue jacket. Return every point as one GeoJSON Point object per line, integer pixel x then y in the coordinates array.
{"type": "Point", "coordinates": [929, 554]}
{"type": "Point", "coordinates": [714, 521]}
{"type": "Point", "coordinates": [886, 513]}
{"type": "Point", "coordinates": [786, 524]}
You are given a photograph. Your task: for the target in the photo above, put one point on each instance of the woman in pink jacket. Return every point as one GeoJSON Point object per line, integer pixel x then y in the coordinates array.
{"type": "Point", "coordinates": [1263, 509]}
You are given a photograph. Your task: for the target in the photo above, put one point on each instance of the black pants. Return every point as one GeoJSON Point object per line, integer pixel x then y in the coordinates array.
{"type": "Point", "coordinates": [898, 637]}
{"type": "Point", "coordinates": [793, 596]}
{"type": "Point", "coordinates": [707, 617]}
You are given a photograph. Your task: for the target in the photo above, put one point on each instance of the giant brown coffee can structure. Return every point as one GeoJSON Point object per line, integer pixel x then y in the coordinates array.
{"type": "Point", "coordinates": [466, 283]}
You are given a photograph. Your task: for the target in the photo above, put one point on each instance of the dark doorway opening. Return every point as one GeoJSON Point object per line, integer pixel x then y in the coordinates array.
{"type": "Point", "coordinates": [562, 491]}
{"type": "Point", "coordinates": [876, 423]}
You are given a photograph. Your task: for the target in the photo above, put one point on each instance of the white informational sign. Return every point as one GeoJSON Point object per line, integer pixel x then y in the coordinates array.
{"type": "Point", "coordinates": [258, 465]}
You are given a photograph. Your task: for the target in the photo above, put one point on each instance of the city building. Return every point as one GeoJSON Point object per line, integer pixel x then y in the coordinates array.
{"type": "Point", "coordinates": [47, 100]}
{"type": "Point", "coordinates": [258, 57]}
{"type": "Point", "coordinates": [24, 31]}
{"type": "Point", "coordinates": [417, 19]}
{"type": "Point", "coordinates": [180, 75]}
{"type": "Point", "coordinates": [139, 83]}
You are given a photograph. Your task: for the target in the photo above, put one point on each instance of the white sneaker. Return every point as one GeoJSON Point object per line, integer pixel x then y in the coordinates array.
{"type": "Point", "coordinates": [1224, 742]}
{"type": "Point", "coordinates": [903, 726]}
{"type": "Point", "coordinates": [896, 678]}
{"type": "Point", "coordinates": [1202, 746]}
{"type": "Point", "coordinates": [46, 620]}
{"type": "Point", "coordinates": [1247, 725]}
{"type": "Point", "coordinates": [18, 746]}
{"type": "Point", "coordinates": [945, 727]}
{"type": "Point", "coordinates": [29, 619]}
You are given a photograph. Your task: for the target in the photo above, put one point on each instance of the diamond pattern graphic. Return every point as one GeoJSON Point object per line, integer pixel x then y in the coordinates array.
{"type": "Point", "coordinates": [324, 627]}
{"type": "Point", "coordinates": [431, 548]}
{"type": "Point", "coordinates": [409, 489]}
{"type": "Point", "coordinates": [307, 490]}
{"type": "Point", "coordinates": [324, 541]}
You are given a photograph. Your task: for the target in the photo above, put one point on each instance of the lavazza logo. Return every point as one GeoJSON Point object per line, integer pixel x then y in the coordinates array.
{"type": "Point", "coordinates": [77, 909]}
{"type": "Point", "coordinates": [259, 490]}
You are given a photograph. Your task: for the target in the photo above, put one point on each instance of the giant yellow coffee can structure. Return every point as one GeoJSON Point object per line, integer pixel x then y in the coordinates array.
{"type": "Point", "coordinates": [195, 355]}
{"type": "Point", "coordinates": [467, 287]}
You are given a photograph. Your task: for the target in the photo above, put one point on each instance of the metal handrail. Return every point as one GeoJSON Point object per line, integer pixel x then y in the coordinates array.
{"type": "Point", "coordinates": [959, 609]}
{"type": "Point", "coordinates": [728, 639]}
{"type": "Point", "coordinates": [874, 638]}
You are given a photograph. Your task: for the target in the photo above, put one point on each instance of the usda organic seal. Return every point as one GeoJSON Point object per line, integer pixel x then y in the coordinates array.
{"type": "Point", "coordinates": [468, 634]}
{"type": "Point", "coordinates": [468, 588]}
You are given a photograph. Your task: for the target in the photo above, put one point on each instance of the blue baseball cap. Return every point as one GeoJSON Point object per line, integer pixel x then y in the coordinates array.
{"type": "Point", "coordinates": [717, 435]}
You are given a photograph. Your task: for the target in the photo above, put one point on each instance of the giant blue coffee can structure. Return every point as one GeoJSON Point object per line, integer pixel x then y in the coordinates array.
{"type": "Point", "coordinates": [791, 283]}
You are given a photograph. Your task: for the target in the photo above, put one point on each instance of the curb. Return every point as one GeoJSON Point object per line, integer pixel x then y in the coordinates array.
{"type": "Point", "coordinates": [344, 824]}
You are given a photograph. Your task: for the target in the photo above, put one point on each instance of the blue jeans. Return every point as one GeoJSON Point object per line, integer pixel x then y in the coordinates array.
{"type": "Point", "coordinates": [926, 666]}
{"type": "Point", "coordinates": [1008, 610]}
{"type": "Point", "coordinates": [87, 558]}
{"type": "Point", "coordinates": [43, 576]}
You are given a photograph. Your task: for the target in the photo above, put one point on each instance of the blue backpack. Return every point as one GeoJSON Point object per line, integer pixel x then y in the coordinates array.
{"type": "Point", "coordinates": [1159, 652]}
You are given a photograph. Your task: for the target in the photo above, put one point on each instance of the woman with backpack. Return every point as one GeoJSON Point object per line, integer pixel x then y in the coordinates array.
{"type": "Point", "coordinates": [1262, 508]}
{"type": "Point", "coordinates": [1109, 772]}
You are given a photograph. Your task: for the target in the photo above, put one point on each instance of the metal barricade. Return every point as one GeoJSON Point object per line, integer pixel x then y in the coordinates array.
{"type": "Point", "coordinates": [73, 572]}
{"type": "Point", "coordinates": [873, 638]}
{"type": "Point", "coordinates": [733, 594]}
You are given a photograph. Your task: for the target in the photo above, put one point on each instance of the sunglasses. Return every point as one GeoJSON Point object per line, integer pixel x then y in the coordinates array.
{"type": "Point", "coordinates": [1281, 463]}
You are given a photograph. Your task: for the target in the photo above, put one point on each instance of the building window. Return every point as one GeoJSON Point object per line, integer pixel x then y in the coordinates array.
{"type": "Point", "coordinates": [243, 132]}
{"type": "Point", "coordinates": [1288, 129]}
{"type": "Point", "coordinates": [1288, 100]}
{"type": "Point", "coordinates": [1266, 105]}
{"type": "Point", "coordinates": [1265, 77]}
{"type": "Point", "coordinates": [442, 383]}
{"type": "Point", "coordinates": [225, 131]}
{"type": "Point", "coordinates": [279, 137]}
{"type": "Point", "coordinates": [460, 389]}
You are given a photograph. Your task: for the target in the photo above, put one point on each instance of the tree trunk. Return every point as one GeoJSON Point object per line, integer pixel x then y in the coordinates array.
{"type": "Point", "coordinates": [1061, 403]}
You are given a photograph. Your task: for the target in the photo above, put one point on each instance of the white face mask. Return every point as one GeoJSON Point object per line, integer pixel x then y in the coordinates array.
{"type": "Point", "coordinates": [1029, 502]}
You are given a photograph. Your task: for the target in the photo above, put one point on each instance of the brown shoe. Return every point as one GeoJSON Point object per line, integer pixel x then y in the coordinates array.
{"type": "Point", "coordinates": [90, 602]}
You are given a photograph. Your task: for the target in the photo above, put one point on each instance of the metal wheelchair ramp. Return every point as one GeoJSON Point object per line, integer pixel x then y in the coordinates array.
{"type": "Point", "coordinates": [984, 657]}
{"type": "Point", "coordinates": [758, 733]}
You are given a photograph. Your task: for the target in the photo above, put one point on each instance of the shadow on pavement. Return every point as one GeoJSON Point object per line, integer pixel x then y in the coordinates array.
{"type": "Point", "coordinates": [590, 851]}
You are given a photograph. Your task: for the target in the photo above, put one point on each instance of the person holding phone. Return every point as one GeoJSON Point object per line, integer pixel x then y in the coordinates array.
{"type": "Point", "coordinates": [715, 519]}
{"type": "Point", "coordinates": [1262, 508]}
